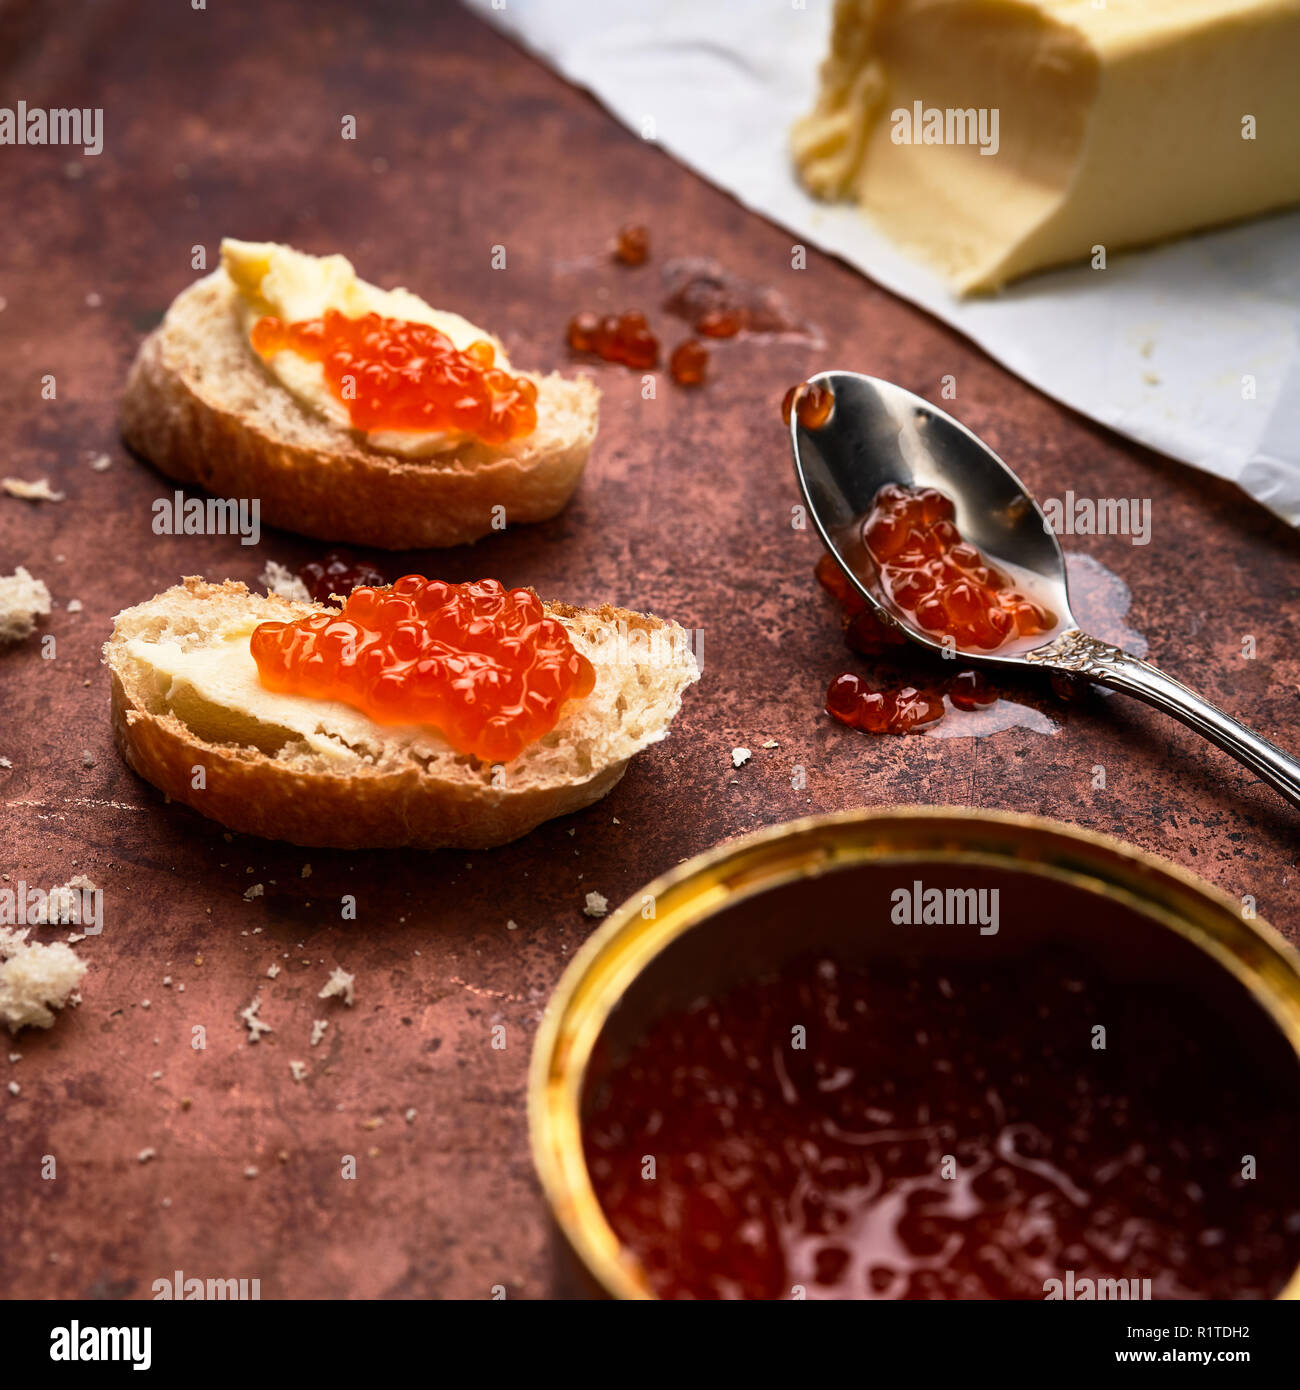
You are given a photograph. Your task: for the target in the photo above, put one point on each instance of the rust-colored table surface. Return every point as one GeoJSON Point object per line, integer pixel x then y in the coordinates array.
{"type": "Point", "coordinates": [228, 121]}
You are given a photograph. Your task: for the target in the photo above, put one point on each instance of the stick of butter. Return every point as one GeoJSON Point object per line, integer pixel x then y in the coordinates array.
{"type": "Point", "coordinates": [992, 138]}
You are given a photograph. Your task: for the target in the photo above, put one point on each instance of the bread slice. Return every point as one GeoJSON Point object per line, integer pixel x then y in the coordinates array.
{"type": "Point", "coordinates": [202, 408]}
{"type": "Point", "coordinates": [350, 783]}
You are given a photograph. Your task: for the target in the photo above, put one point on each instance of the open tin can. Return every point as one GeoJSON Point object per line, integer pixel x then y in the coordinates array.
{"type": "Point", "coordinates": [825, 884]}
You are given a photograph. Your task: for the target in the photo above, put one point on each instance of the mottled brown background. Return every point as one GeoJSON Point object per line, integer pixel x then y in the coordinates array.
{"type": "Point", "coordinates": [227, 121]}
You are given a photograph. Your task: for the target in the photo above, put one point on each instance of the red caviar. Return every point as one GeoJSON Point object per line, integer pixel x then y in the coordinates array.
{"type": "Point", "coordinates": [395, 375]}
{"type": "Point", "coordinates": [945, 584]}
{"type": "Point", "coordinates": [483, 664]}
{"type": "Point", "coordinates": [689, 362]}
{"type": "Point", "coordinates": [338, 573]}
{"type": "Point", "coordinates": [632, 245]}
{"type": "Point", "coordinates": [812, 403]}
{"type": "Point", "coordinates": [625, 338]}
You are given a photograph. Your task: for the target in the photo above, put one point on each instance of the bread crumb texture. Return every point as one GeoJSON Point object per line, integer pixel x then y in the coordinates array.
{"type": "Point", "coordinates": [35, 979]}
{"type": "Point", "coordinates": [23, 599]}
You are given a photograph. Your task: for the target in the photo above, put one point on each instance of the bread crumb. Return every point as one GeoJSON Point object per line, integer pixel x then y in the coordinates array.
{"type": "Point", "coordinates": [14, 1088]}
{"type": "Point", "coordinates": [255, 1025]}
{"type": "Point", "coordinates": [75, 605]}
{"type": "Point", "coordinates": [145, 1155]}
{"type": "Point", "coordinates": [281, 580]}
{"type": "Point", "coordinates": [306, 871]}
{"type": "Point", "coordinates": [37, 491]}
{"type": "Point", "coordinates": [5, 763]}
{"type": "Point", "coordinates": [339, 984]}
{"type": "Point", "coordinates": [374, 1122]}
{"type": "Point", "coordinates": [597, 905]}
{"type": "Point", "coordinates": [298, 1070]}
{"type": "Point", "coordinates": [410, 1116]}
{"type": "Point", "coordinates": [101, 463]}
{"type": "Point", "coordinates": [512, 925]}
{"type": "Point", "coordinates": [250, 1171]}
{"type": "Point", "coordinates": [23, 599]}
{"type": "Point", "coordinates": [63, 904]}
{"type": "Point", "coordinates": [255, 891]}
{"type": "Point", "coordinates": [35, 979]}
{"type": "Point", "coordinates": [771, 743]}
{"type": "Point", "coordinates": [318, 1027]}
{"type": "Point", "coordinates": [740, 756]}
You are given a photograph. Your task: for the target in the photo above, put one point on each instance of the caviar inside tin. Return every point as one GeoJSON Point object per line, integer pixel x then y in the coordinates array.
{"type": "Point", "coordinates": [943, 1110]}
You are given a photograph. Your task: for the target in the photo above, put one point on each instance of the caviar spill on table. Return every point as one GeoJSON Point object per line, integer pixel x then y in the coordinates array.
{"type": "Point", "coordinates": [624, 338]}
{"type": "Point", "coordinates": [946, 1131]}
{"type": "Point", "coordinates": [689, 362]}
{"type": "Point", "coordinates": [900, 709]}
{"type": "Point", "coordinates": [485, 665]}
{"type": "Point", "coordinates": [810, 401]}
{"type": "Point", "coordinates": [339, 572]}
{"type": "Point", "coordinates": [632, 245]}
{"type": "Point", "coordinates": [943, 583]}
{"type": "Point", "coordinates": [717, 303]}
{"type": "Point", "coordinates": [396, 375]}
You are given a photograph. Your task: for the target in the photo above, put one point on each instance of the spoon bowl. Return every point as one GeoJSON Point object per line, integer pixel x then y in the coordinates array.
{"type": "Point", "coordinates": [876, 433]}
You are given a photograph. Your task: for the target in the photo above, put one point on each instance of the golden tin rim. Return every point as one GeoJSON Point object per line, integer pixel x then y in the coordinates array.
{"type": "Point", "coordinates": [1253, 951]}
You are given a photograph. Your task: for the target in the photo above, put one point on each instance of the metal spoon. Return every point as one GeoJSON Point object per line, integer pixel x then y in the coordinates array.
{"type": "Point", "coordinates": [877, 433]}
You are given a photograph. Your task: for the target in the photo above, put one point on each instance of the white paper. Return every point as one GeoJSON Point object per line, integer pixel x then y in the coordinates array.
{"type": "Point", "coordinates": [1192, 348]}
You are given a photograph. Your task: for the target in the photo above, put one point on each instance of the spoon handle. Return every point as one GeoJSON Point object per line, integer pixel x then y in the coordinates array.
{"type": "Point", "coordinates": [1076, 652]}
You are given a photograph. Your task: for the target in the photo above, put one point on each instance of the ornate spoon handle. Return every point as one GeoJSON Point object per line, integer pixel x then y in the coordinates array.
{"type": "Point", "coordinates": [1079, 654]}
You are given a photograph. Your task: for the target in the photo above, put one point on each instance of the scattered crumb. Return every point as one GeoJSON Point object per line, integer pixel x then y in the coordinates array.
{"type": "Point", "coordinates": [35, 979]}
{"type": "Point", "coordinates": [250, 1171]}
{"type": "Point", "coordinates": [38, 491]}
{"type": "Point", "coordinates": [617, 821]}
{"type": "Point", "coordinates": [1151, 378]}
{"type": "Point", "coordinates": [298, 1070]}
{"type": "Point", "coordinates": [255, 1025]}
{"type": "Point", "coordinates": [280, 579]}
{"type": "Point", "coordinates": [167, 982]}
{"type": "Point", "coordinates": [306, 871]}
{"type": "Point", "coordinates": [597, 905]}
{"type": "Point", "coordinates": [5, 763]}
{"type": "Point", "coordinates": [101, 463]}
{"type": "Point", "coordinates": [75, 605]}
{"type": "Point", "coordinates": [512, 925]}
{"type": "Point", "coordinates": [374, 1122]}
{"type": "Point", "coordinates": [740, 756]}
{"type": "Point", "coordinates": [63, 904]}
{"type": "Point", "coordinates": [14, 1088]}
{"type": "Point", "coordinates": [15, 1057]}
{"type": "Point", "coordinates": [339, 984]}
{"type": "Point", "coordinates": [255, 891]}
{"type": "Point", "coordinates": [87, 758]}
{"type": "Point", "coordinates": [272, 971]}
{"type": "Point", "coordinates": [22, 600]}
{"type": "Point", "coordinates": [771, 743]}
{"type": "Point", "coordinates": [410, 1116]}
{"type": "Point", "coordinates": [318, 1027]}
{"type": "Point", "coordinates": [145, 1155]}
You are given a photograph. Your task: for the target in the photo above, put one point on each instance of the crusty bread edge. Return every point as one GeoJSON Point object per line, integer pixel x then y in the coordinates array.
{"type": "Point", "coordinates": [247, 791]}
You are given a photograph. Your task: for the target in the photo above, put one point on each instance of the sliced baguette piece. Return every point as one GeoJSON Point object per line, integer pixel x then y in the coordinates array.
{"type": "Point", "coordinates": [352, 784]}
{"type": "Point", "coordinates": [202, 408]}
